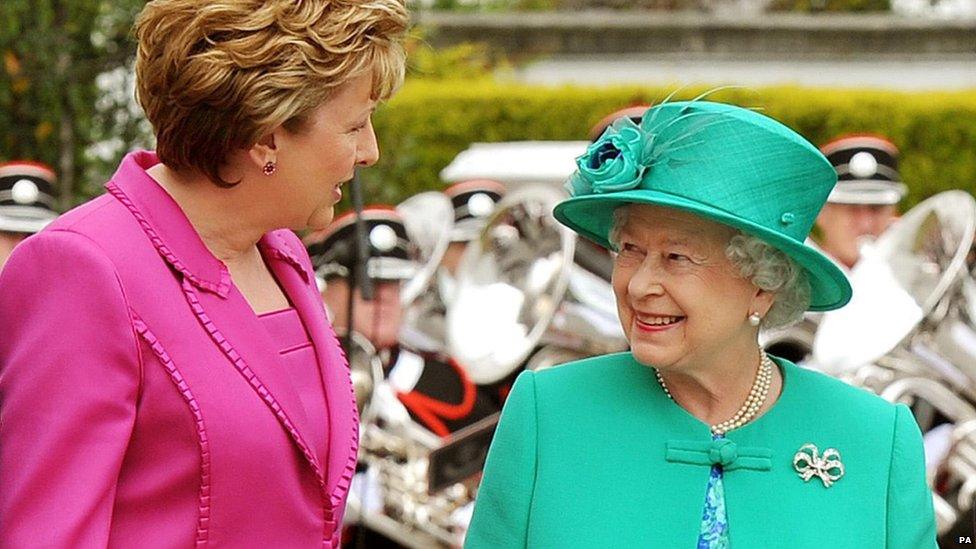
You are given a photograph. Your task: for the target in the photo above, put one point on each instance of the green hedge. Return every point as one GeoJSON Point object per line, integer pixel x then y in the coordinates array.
{"type": "Point", "coordinates": [847, 6]}
{"type": "Point", "coordinates": [428, 123]}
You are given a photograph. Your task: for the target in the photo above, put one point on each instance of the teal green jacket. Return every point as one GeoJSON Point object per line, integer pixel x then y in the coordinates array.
{"type": "Point", "coordinates": [594, 454]}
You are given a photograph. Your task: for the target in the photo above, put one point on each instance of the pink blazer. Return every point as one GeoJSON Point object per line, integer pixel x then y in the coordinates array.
{"type": "Point", "coordinates": [141, 402]}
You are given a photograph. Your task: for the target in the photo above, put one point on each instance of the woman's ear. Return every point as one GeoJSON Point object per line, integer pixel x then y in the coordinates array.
{"type": "Point", "coordinates": [762, 302]}
{"type": "Point", "coordinates": [264, 152]}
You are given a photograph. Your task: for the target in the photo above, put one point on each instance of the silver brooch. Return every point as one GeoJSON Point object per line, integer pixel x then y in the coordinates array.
{"type": "Point", "coordinates": [809, 463]}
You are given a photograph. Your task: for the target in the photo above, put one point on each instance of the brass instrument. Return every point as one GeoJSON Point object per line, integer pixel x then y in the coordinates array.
{"type": "Point", "coordinates": [366, 371]}
{"type": "Point", "coordinates": [522, 289]}
{"type": "Point", "coordinates": [429, 219]}
{"type": "Point", "coordinates": [510, 283]}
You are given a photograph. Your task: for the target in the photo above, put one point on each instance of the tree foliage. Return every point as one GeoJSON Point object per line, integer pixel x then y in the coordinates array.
{"type": "Point", "coordinates": [52, 53]}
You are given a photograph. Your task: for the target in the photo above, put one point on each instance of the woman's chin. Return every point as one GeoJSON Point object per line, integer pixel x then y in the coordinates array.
{"type": "Point", "coordinates": [654, 357]}
{"type": "Point", "coordinates": [321, 219]}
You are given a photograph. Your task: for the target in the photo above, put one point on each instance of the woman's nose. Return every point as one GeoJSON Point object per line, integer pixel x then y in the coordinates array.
{"type": "Point", "coordinates": [646, 280]}
{"type": "Point", "coordinates": [368, 151]}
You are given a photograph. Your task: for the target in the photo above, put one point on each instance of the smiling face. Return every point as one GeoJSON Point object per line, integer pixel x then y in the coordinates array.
{"type": "Point", "coordinates": [313, 161]}
{"type": "Point", "coordinates": [681, 301]}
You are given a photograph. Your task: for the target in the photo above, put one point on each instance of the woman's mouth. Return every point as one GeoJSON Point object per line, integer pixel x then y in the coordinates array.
{"type": "Point", "coordinates": [657, 323]}
{"type": "Point", "coordinates": [337, 193]}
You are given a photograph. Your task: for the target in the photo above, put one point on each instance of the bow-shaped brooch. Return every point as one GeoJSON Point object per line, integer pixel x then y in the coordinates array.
{"type": "Point", "coordinates": [809, 463]}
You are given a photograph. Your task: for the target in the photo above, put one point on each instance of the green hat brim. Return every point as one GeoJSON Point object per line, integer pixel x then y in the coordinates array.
{"type": "Point", "coordinates": [592, 215]}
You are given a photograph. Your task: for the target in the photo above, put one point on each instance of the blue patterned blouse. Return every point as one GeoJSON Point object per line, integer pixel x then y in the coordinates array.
{"type": "Point", "coordinates": [715, 524]}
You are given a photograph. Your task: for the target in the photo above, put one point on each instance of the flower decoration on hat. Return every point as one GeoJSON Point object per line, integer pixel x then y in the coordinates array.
{"type": "Point", "coordinates": [613, 163]}
{"type": "Point", "coordinates": [626, 152]}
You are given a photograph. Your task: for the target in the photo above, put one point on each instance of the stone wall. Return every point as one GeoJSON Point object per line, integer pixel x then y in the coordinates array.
{"type": "Point", "coordinates": [776, 35]}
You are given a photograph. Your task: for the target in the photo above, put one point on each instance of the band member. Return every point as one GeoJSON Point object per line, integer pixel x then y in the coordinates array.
{"type": "Point", "coordinates": [865, 201]}
{"type": "Point", "coordinates": [26, 203]}
{"type": "Point", "coordinates": [696, 437]}
{"type": "Point", "coordinates": [388, 264]}
{"type": "Point", "coordinates": [434, 388]}
{"type": "Point", "coordinates": [473, 201]}
{"type": "Point", "coordinates": [168, 377]}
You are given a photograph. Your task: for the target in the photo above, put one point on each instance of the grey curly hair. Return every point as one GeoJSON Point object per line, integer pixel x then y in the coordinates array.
{"type": "Point", "coordinates": [765, 266]}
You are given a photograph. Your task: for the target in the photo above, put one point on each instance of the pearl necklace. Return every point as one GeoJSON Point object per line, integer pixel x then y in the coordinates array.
{"type": "Point", "coordinates": [754, 402]}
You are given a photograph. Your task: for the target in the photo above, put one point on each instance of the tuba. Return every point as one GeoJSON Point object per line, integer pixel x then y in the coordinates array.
{"type": "Point", "coordinates": [527, 287]}
{"type": "Point", "coordinates": [365, 370]}
{"type": "Point", "coordinates": [509, 284]}
{"type": "Point", "coordinates": [429, 219]}
{"type": "Point", "coordinates": [910, 291]}
{"type": "Point", "coordinates": [415, 488]}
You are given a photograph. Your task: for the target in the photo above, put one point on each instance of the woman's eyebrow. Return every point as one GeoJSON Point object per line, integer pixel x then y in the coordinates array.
{"type": "Point", "coordinates": [362, 114]}
{"type": "Point", "coordinates": [679, 241]}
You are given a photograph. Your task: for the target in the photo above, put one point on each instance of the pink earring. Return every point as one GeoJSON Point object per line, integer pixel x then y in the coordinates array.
{"type": "Point", "coordinates": [270, 168]}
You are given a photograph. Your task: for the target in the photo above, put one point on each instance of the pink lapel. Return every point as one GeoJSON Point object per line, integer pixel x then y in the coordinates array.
{"type": "Point", "coordinates": [220, 308]}
{"type": "Point", "coordinates": [234, 327]}
{"type": "Point", "coordinates": [294, 272]}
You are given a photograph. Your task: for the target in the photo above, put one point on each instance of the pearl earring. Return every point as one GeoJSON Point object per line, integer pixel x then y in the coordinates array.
{"type": "Point", "coordinates": [270, 168]}
{"type": "Point", "coordinates": [755, 319]}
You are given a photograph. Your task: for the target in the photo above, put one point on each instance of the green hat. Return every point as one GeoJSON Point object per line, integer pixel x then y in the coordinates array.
{"type": "Point", "coordinates": [722, 162]}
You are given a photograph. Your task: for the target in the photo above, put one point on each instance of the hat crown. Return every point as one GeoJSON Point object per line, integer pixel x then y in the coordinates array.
{"type": "Point", "coordinates": [386, 237]}
{"type": "Point", "coordinates": [26, 187]}
{"type": "Point", "coordinates": [860, 157]}
{"type": "Point", "coordinates": [867, 170]}
{"type": "Point", "coordinates": [735, 160]}
{"type": "Point", "coordinates": [752, 166]}
{"type": "Point", "coordinates": [27, 197]}
{"type": "Point", "coordinates": [475, 198]}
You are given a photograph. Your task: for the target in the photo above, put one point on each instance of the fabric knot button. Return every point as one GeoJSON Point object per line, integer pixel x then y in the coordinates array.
{"type": "Point", "coordinates": [723, 452]}
{"type": "Point", "coordinates": [787, 218]}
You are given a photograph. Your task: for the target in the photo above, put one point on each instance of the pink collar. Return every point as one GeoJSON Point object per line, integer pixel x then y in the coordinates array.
{"type": "Point", "coordinates": [171, 233]}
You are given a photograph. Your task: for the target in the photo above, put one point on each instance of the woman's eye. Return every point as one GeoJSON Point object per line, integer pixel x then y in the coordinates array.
{"type": "Point", "coordinates": [359, 127]}
{"type": "Point", "coordinates": [629, 253]}
{"type": "Point", "coordinates": [677, 257]}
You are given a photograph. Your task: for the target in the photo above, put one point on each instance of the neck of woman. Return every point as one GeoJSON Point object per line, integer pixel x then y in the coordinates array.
{"type": "Point", "coordinates": [714, 388]}
{"type": "Point", "coordinates": [230, 221]}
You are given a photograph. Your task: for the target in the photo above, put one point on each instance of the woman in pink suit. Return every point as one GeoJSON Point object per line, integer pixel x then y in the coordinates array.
{"type": "Point", "coordinates": [168, 377]}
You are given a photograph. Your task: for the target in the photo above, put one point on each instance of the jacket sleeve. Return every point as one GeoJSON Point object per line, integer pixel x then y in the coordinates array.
{"type": "Point", "coordinates": [501, 513]}
{"type": "Point", "coordinates": [69, 379]}
{"type": "Point", "coordinates": [911, 520]}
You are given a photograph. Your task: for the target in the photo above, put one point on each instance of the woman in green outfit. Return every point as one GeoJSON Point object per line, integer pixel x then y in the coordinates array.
{"type": "Point", "coordinates": [697, 438]}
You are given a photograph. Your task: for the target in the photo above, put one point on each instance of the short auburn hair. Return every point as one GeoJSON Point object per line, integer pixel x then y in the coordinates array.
{"type": "Point", "coordinates": [214, 76]}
